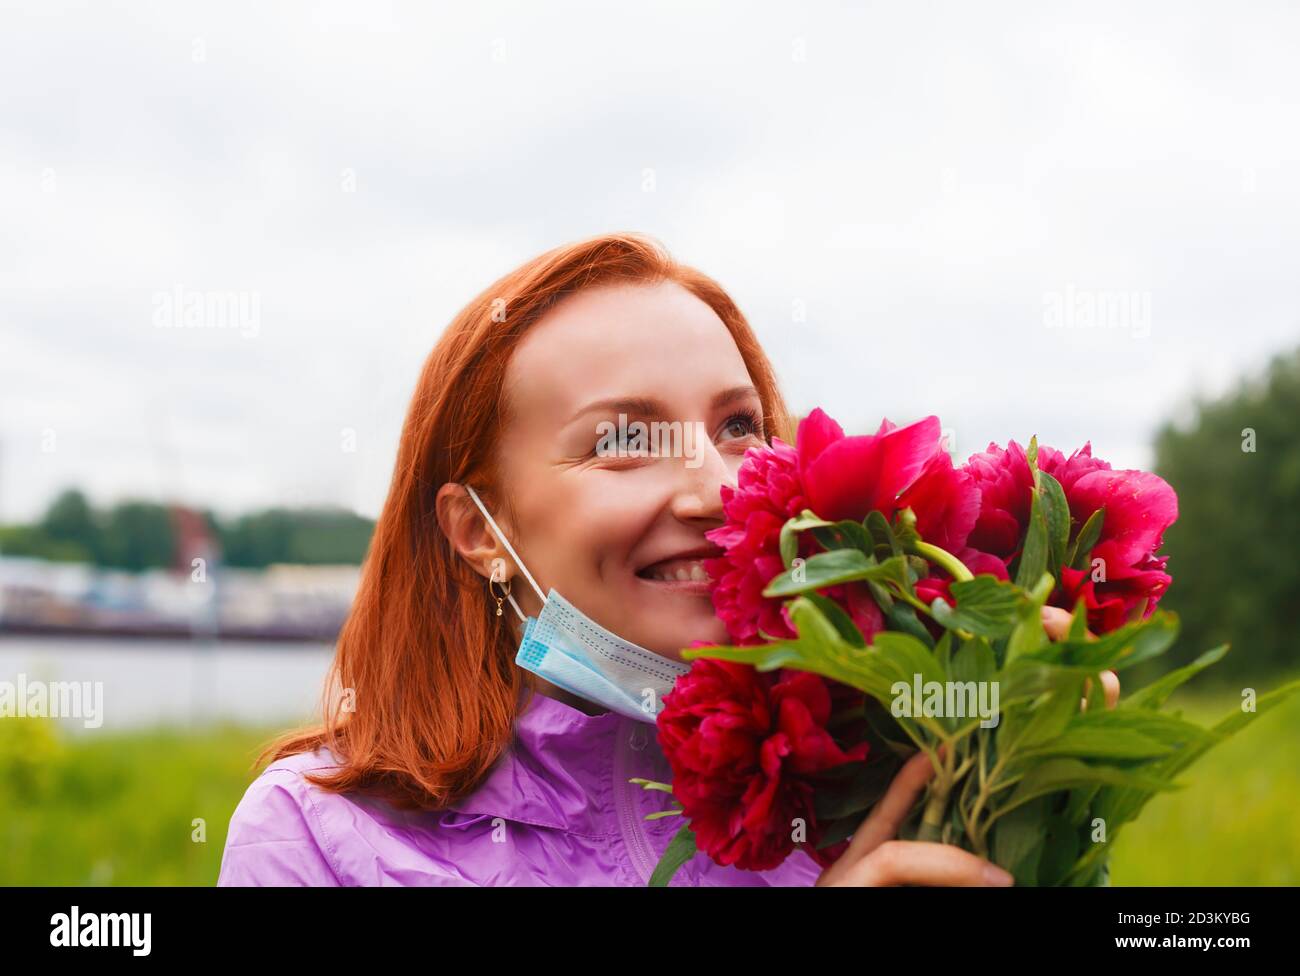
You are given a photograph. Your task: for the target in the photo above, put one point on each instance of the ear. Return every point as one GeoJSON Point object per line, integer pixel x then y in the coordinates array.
{"type": "Point", "coordinates": [468, 532]}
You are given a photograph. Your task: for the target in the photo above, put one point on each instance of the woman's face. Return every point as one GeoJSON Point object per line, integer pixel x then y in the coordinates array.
{"type": "Point", "coordinates": [621, 537]}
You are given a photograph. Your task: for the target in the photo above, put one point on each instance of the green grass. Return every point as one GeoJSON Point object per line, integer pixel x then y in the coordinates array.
{"type": "Point", "coordinates": [1237, 821]}
{"type": "Point", "coordinates": [119, 809]}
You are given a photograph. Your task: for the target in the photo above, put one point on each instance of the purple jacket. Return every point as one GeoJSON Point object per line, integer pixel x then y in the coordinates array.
{"type": "Point", "coordinates": [556, 809]}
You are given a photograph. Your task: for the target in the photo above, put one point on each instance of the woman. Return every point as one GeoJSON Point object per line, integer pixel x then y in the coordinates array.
{"type": "Point", "coordinates": [440, 761]}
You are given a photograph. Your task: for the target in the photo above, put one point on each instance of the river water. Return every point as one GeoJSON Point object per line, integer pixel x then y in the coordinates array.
{"type": "Point", "coordinates": [177, 682]}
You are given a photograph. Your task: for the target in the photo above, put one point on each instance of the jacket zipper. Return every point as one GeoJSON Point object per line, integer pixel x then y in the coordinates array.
{"type": "Point", "coordinates": [625, 801]}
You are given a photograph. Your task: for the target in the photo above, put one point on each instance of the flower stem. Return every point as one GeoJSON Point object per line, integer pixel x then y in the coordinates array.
{"type": "Point", "coordinates": [937, 806]}
{"type": "Point", "coordinates": [944, 559]}
{"type": "Point", "coordinates": [932, 819]}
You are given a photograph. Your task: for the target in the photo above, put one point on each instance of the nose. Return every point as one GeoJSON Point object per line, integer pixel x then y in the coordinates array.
{"type": "Point", "coordinates": [699, 495]}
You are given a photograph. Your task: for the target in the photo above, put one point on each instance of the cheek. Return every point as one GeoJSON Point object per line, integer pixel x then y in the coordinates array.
{"type": "Point", "coordinates": [617, 514]}
{"type": "Point", "coordinates": [590, 525]}
{"type": "Point", "coordinates": [734, 461]}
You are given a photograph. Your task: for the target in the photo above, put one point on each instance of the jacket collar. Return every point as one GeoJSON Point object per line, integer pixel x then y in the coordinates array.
{"type": "Point", "coordinates": [557, 773]}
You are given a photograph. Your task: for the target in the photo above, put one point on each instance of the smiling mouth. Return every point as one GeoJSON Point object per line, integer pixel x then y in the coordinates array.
{"type": "Point", "coordinates": [676, 571]}
{"type": "Point", "coordinates": [685, 574]}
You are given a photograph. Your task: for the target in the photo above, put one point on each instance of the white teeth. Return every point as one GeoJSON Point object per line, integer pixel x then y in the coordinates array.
{"type": "Point", "coordinates": [695, 573]}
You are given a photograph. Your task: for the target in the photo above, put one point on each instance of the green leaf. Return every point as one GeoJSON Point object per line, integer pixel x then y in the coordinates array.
{"type": "Point", "coordinates": [1047, 720]}
{"type": "Point", "coordinates": [1066, 774]}
{"type": "Point", "coordinates": [838, 830]}
{"type": "Point", "coordinates": [899, 614]}
{"type": "Point", "coordinates": [679, 850]}
{"type": "Point", "coordinates": [1122, 648]}
{"type": "Point", "coordinates": [823, 570]}
{"type": "Point", "coordinates": [905, 660]}
{"type": "Point", "coordinates": [1026, 678]}
{"type": "Point", "coordinates": [789, 538]}
{"type": "Point", "coordinates": [1060, 850]}
{"type": "Point", "coordinates": [973, 661]}
{"type": "Point", "coordinates": [1091, 870]}
{"type": "Point", "coordinates": [942, 651]}
{"type": "Point", "coordinates": [845, 534]}
{"type": "Point", "coordinates": [839, 619]}
{"type": "Point", "coordinates": [886, 730]}
{"type": "Point", "coordinates": [818, 647]}
{"type": "Point", "coordinates": [1033, 554]}
{"type": "Point", "coordinates": [882, 534]}
{"type": "Point", "coordinates": [1080, 803]}
{"type": "Point", "coordinates": [1033, 557]}
{"type": "Point", "coordinates": [650, 784]}
{"type": "Point", "coordinates": [855, 791]}
{"type": "Point", "coordinates": [1056, 512]}
{"type": "Point", "coordinates": [907, 657]}
{"type": "Point", "coordinates": [1018, 840]}
{"type": "Point", "coordinates": [895, 573]}
{"type": "Point", "coordinates": [1028, 634]}
{"type": "Point", "coordinates": [986, 606]}
{"type": "Point", "coordinates": [1079, 552]}
{"type": "Point", "coordinates": [1099, 742]}
{"type": "Point", "coordinates": [1155, 694]}
{"type": "Point", "coordinates": [1166, 728]}
{"type": "Point", "coordinates": [1078, 631]}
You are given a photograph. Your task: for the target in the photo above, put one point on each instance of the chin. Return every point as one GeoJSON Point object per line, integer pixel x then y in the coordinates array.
{"type": "Point", "coordinates": [711, 631]}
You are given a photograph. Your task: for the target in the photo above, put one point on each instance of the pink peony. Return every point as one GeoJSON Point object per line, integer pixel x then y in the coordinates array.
{"type": "Point", "coordinates": [847, 477]}
{"type": "Point", "coordinates": [769, 492]}
{"type": "Point", "coordinates": [836, 477]}
{"type": "Point", "coordinates": [1130, 577]}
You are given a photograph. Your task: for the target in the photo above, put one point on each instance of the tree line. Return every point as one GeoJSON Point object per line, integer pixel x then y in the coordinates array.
{"type": "Point", "coordinates": [140, 535]}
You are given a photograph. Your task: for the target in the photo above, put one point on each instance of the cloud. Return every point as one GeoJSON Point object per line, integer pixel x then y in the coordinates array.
{"type": "Point", "coordinates": [891, 194]}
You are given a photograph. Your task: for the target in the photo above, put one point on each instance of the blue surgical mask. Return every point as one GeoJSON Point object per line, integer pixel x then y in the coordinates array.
{"type": "Point", "coordinates": [570, 650]}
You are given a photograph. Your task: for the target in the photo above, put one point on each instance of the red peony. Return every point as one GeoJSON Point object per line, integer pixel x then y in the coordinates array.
{"type": "Point", "coordinates": [769, 492]}
{"type": "Point", "coordinates": [745, 748]}
{"type": "Point", "coordinates": [1139, 506]}
{"type": "Point", "coordinates": [836, 477]}
{"type": "Point", "coordinates": [847, 477]}
{"type": "Point", "coordinates": [1006, 488]}
{"type": "Point", "coordinates": [1124, 576]}
{"type": "Point", "coordinates": [946, 502]}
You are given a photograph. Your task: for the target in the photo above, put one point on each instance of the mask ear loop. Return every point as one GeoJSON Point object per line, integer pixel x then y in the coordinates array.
{"type": "Point", "coordinates": [496, 529]}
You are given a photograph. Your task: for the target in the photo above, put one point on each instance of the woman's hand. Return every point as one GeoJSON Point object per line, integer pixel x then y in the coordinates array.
{"type": "Point", "coordinates": [1056, 622]}
{"type": "Point", "coordinates": [874, 857]}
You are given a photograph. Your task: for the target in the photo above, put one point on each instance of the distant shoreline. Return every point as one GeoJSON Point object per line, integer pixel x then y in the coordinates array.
{"type": "Point", "coordinates": [162, 632]}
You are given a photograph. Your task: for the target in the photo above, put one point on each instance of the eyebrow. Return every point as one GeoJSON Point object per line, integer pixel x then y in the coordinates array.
{"type": "Point", "coordinates": [650, 407]}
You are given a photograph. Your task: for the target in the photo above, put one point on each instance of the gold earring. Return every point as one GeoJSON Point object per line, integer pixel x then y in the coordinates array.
{"type": "Point", "coordinates": [505, 590]}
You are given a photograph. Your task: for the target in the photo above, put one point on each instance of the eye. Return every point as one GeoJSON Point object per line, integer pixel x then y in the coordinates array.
{"type": "Point", "coordinates": [619, 447]}
{"type": "Point", "coordinates": [744, 423]}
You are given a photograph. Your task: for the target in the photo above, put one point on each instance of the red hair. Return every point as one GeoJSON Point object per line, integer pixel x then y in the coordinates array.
{"type": "Point", "coordinates": [422, 660]}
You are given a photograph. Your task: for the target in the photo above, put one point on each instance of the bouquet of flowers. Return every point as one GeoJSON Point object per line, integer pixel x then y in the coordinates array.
{"type": "Point", "coordinates": [881, 601]}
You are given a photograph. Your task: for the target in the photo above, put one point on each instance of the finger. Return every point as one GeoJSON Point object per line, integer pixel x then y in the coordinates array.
{"type": "Point", "coordinates": [1110, 687]}
{"type": "Point", "coordinates": [888, 815]}
{"type": "Point", "coordinates": [924, 863]}
{"type": "Point", "coordinates": [1056, 623]}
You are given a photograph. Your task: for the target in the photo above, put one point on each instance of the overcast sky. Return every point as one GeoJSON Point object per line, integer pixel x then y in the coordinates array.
{"type": "Point", "coordinates": [1031, 218]}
